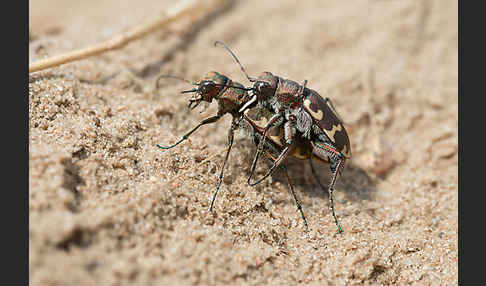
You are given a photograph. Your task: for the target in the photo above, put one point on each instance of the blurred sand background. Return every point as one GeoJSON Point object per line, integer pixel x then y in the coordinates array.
{"type": "Point", "coordinates": [109, 208]}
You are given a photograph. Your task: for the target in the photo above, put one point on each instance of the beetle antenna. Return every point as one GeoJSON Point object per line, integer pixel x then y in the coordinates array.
{"type": "Point", "coordinates": [170, 76]}
{"type": "Point", "coordinates": [236, 87]}
{"type": "Point", "coordinates": [189, 91]}
{"type": "Point", "coordinates": [236, 58]}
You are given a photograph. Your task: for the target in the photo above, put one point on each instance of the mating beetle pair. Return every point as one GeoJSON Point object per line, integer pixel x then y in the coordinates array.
{"type": "Point", "coordinates": [306, 125]}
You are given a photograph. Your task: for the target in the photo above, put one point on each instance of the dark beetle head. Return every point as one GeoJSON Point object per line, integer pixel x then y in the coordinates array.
{"type": "Point", "coordinates": [265, 85]}
{"type": "Point", "coordinates": [212, 86]}
{"type": "Point", "coordinates": [208, 88]}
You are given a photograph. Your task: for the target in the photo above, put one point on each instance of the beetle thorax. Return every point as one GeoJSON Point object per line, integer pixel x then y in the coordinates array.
{"type": "Point", "coordinates": [288, 92]}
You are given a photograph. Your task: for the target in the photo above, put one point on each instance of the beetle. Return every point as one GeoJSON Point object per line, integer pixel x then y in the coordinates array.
{"type": "Point", "coordinates": [231, 96]}
{"type": "Point", "coordinates": [300, 109]}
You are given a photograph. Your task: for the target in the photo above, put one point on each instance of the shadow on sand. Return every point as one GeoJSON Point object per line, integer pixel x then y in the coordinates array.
{"type": "Point", "coordinates": [354, 181]}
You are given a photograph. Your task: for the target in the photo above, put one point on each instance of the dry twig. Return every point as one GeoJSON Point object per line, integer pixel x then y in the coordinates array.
{"type": "Point", "coordinates": [176, 12]}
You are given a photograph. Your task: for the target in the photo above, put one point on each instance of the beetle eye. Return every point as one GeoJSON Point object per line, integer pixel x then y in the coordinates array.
{"type": "Point", "coordinates": [206, 86]}
{"type": "Point", "coordinates": [261, 85]}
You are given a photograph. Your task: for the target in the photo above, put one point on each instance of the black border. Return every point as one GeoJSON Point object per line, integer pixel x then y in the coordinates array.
{"type": "Point", "coordinates": [15, 98]}
{"type": "Point", "coordinates": [460, 130]}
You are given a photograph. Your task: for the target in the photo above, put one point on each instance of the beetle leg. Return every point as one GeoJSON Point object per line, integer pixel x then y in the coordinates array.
{"type": "Point", "coordinates": [208, 120]}
{"type": "Point", "coordinates": [297, 202]}
{"type": "Point", "coordinates": [276, 163]}
{"type": "Point", "coordinates": [331, 191]}
{"type": "Point", "coordinates": [289, 130]}
{"type": "Point", "coordinates": [336, 160]}
{"type": "Point", "coordinates": [291, 186]}
{"type": "Point", "coordinates": [269, 124]}
{"type": "Point", "coordinates": [289, 135]}
{"type": "Point", "coordinates": [231, 135]}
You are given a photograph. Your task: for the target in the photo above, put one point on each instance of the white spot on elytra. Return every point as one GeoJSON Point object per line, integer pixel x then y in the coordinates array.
{"type": "Point", "coordinates": [317, 115]}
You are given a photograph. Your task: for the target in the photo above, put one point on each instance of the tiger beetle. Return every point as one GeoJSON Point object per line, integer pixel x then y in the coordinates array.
{"type": "Point", "coordinates": [301, 111]}
{"type": "Point", "coordinates": [231, 96]}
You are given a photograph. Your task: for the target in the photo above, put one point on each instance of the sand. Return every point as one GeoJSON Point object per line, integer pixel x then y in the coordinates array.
{"type": "Point", "coordinates": [106, 207]}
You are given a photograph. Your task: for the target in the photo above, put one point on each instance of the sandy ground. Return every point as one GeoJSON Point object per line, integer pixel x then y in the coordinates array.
{"type": "Point", "coordinates": [109, 208]}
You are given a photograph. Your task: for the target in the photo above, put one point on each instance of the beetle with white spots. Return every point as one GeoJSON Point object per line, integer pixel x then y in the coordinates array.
{"type": "Point", "coordinates": [302, 112]}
